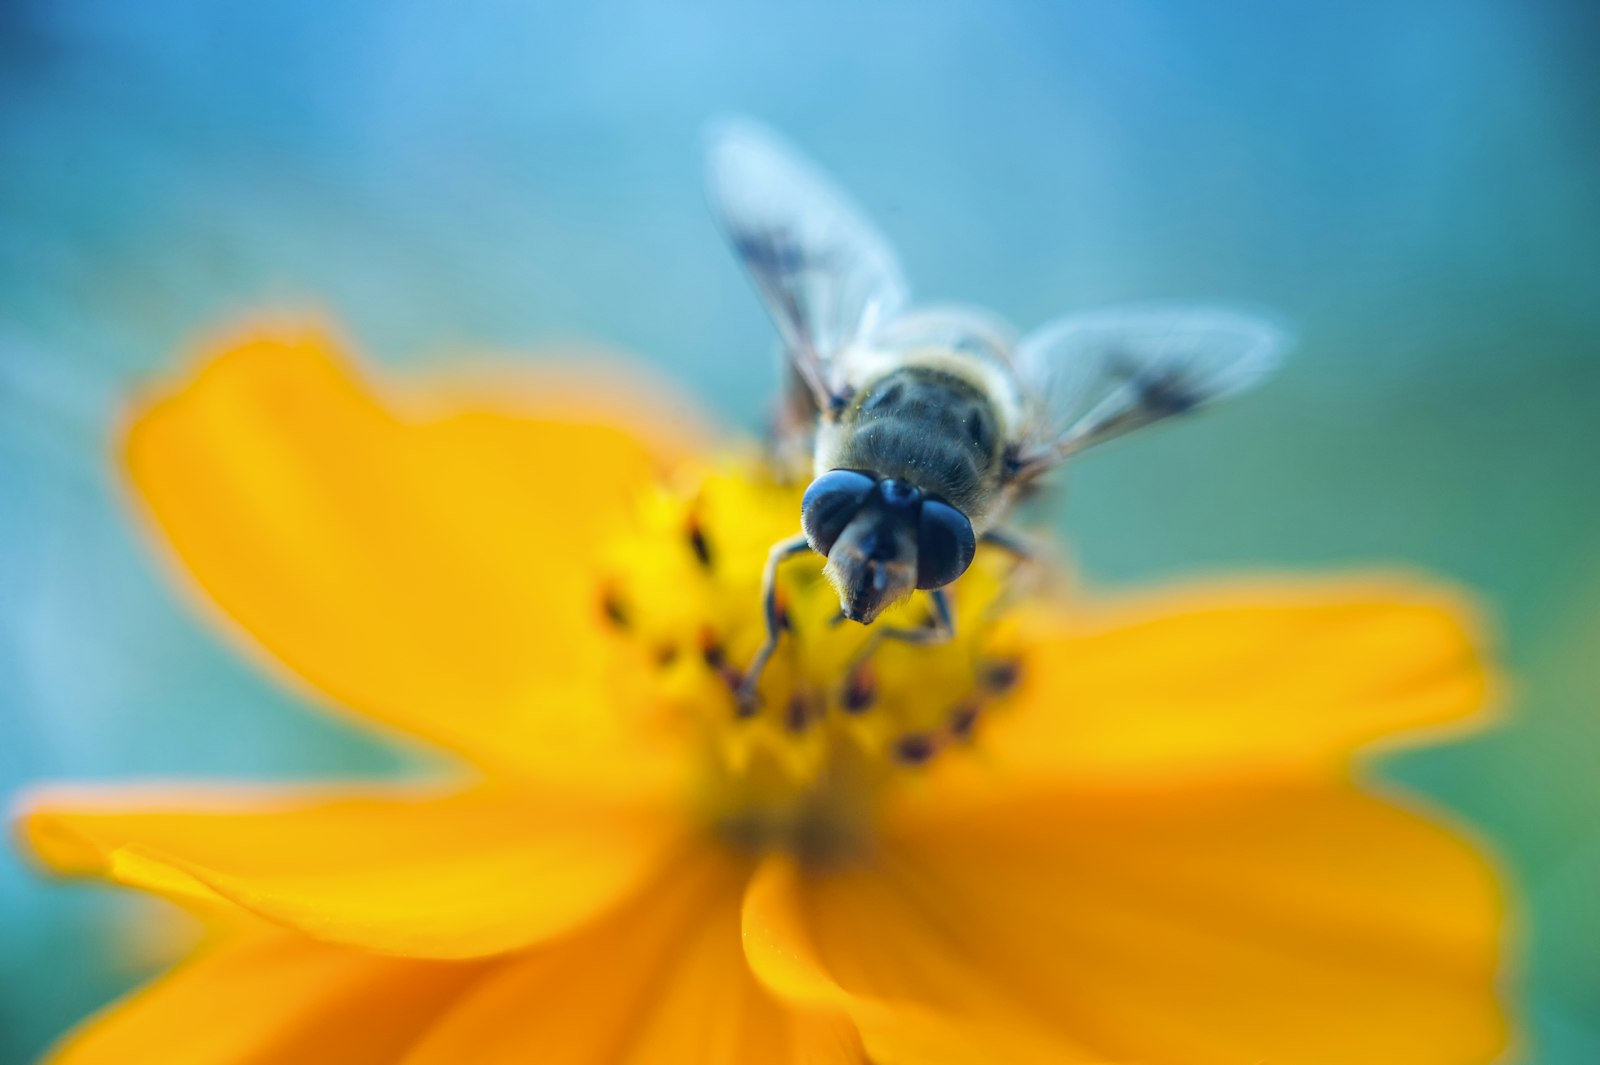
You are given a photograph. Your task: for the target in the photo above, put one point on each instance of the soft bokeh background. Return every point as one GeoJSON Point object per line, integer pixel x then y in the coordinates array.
{"type": "Point", "coordinates": [1415, 185]}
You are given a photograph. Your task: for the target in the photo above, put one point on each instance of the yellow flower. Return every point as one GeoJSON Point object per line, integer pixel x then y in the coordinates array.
{"type": "Point", "coordinates": [1125, 831]}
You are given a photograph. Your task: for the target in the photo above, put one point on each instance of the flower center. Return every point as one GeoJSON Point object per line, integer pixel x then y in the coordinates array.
{"type": "Point", "coordinates": [844, 713]}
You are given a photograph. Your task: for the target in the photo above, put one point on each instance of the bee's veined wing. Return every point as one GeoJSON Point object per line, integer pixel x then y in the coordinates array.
{"type": "Point", "coordinates": [826, 274]}
{"type": "Point", "coordinates": [1098, 375]}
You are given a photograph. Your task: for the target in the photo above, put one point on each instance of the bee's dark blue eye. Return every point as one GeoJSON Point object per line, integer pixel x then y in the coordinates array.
{"type": "Point", "coordinates": [830, 503]}
{"type": "Point", "coordinates": [945, 544]}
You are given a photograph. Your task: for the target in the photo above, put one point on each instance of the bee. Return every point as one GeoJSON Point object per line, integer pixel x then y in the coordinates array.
{"type": "Point", "coordinates": [926, 425]}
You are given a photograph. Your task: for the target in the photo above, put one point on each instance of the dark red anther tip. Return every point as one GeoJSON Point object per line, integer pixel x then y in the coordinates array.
{"type": "Point", "coordinates": [615, 611]}
{"type": "Point", "coordinates": [914, 749]}
{"type": "Point", "coordinates": [797, 714]}
{"type": "Point", "coordinates": [1001, 677]}
{"type": "Point", "coordinates": [963, 719]}
{"type": "Point", "coordinates": [711, 651]}
{"type": "Point", "coordinates": [698, 543]}
{"type": "Point", "coordinates": [860, 691]}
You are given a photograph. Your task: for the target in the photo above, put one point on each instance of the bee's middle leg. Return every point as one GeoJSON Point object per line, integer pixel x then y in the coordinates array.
{"type": "Point", "coordinates": [1025, 570]}
{"type": "Point", "coordinates": [939, 628]}
{"type": "Point", "coordinates": [781, 552]}
{"type": "Point", "coordinates": [1012, 544]}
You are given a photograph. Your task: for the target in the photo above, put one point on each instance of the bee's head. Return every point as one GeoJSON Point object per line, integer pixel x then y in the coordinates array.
{"type": "Point", "coordinates": [883, 539]}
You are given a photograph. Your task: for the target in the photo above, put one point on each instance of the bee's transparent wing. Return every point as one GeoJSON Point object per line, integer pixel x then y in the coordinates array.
{"type": "Point", "coordinates": [826, 274]}
{"type": "Point", "coordinates": [1098, 375]}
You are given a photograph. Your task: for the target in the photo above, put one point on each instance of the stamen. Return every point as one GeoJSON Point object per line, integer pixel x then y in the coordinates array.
{"type": "Point", "coordinates": [716, 660]}
{"type": "Point", "coordinates": [798, 713]}
{"type": "Point", "coordinates": [860, 691]}
{"type": "Point", "coordinates": [843, 715]}
{"type": "Point", "coordinates": [614, 609]}
{"type": "Point", "coordinates": [698, 543]}
{"type": "Point", "coordinates": [1000, 677]}
{"type": "Point", "coordinates": [914, 749]}
{"type": "Point", "coordinates": [963, 719]}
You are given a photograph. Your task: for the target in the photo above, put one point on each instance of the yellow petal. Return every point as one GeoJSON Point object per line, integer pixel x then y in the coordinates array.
{"type": "Point", "coordinates": [1211, 683]}
{"type": "Point", "coordinates": [426, 566]}
{"type": "Point", "coordinates": [272, 999]}
{"type": "Point", "coordinates": [662, 983]}
{"type": "Point", "coordinates": [428, 875]}
{"type": "Point", "coordinates": [1282, 924]}
{"type": "Point", "coordinates": [859, 944]}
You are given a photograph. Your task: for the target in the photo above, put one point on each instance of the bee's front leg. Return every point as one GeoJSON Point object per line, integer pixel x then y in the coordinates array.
{"type": "Point", "coordinates": [941, 625]}
{"type": "Point", "coordinates": [781, 552]}
{"type": "Point", "coordinates": [940, 628]}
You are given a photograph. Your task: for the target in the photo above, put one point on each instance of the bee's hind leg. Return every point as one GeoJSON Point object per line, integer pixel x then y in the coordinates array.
{"type": "Point", "coordinates": [1025, 572]}
{"type": "Point", "coordinates": [781, 552]}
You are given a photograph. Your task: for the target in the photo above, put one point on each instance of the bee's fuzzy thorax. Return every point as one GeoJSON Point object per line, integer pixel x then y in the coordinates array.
{"type": "Point", "coordinates": [864, 366]}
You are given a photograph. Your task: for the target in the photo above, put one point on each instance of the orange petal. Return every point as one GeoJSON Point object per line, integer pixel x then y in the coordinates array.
{"type": "Point", "coordinates": [1306, 925]}
{"type": "Point", "coordinates": [426, 566]}
{"type": "Point", "coordinates": [272, 999]}
{"type": "Point", "coordinates": [858, 944]}
{"type": "Point", "coordinates": [1211, 683]}
{"type": "Point", "coordinates": [662, 983]}
{"type": "Point", "coordinates": [427, 875]}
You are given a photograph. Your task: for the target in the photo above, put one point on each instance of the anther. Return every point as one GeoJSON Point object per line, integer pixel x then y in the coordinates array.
{"type": "Point", "coordinates": [614, 609]}
{"type": "Point", "coordinates": [1000, 677]}
{"type": "Point", "coordinates": [963, 719]}
{"type": "Point", "coordinates": [860, 691]}
{"type": "Point", "coordinates": [666, 654]}
{"type": "Point", "coordinates": [797, 714]}
{"type": "Point", "coordinates": [698, 544]}
{"type": "Point", "coordinates": [915, 748]}
{"type": "Point", "coordinates": [716, 660]}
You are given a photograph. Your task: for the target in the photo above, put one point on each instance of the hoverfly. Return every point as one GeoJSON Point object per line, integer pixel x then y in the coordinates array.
{"type": "Point", "coordinates": [926, 424]}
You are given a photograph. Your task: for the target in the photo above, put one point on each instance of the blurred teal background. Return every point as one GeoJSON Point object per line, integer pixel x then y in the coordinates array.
{"type": "Point", "coordinates": [1416, 186]}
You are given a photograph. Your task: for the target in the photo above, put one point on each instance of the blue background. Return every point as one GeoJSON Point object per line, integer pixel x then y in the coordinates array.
{"type": "Point", "coordinates": [1414, 185]}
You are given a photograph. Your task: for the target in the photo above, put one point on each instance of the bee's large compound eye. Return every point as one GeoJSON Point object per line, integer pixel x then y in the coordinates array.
{"type": "Point", "coordinates": [945, 544]}
{"type": "Point", "coordinates": [830, 503]}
